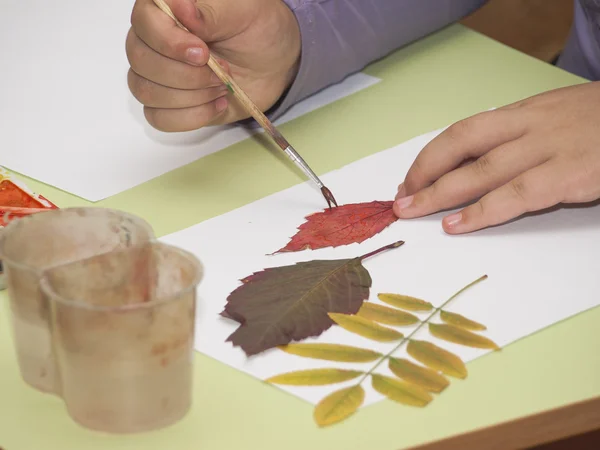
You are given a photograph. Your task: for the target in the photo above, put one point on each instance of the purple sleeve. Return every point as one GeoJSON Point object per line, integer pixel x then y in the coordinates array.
{"type": "Point", "coordinates": [340, 37]}
{"type": "Point", "coordinates": [581, 55]}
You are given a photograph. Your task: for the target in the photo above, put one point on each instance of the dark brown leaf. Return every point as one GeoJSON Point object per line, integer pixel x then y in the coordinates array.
{"type": "Point", "coordinates": [283, 304]}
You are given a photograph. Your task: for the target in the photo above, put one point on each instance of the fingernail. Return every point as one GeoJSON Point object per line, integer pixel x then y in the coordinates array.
{"type": "Point", "coordinates": [453, 219]}
{"type": "Point", "coordinates": [195, 55]}
{"type": "Point", "coordinates": [405, 202]}
{"type": "Point", "coordinates": [221, 104]}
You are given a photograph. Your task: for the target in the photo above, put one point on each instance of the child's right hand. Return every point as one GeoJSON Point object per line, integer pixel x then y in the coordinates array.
{"type": "Point", "coordinates": [257, 41]}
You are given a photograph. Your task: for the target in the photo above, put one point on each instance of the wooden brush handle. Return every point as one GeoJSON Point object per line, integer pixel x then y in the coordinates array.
{"type": "Point", "coordinates": [233, 87]}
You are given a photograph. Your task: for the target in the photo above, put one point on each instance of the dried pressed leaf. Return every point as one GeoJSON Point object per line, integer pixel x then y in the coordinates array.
{"type": "Point", "coordinates": [460, 336]}
{"type": "Point", "coordinates": [386, 315]}
{"type": "Point", "coordinates": [366, 328]}
{"type": "Point", "coordinates": [461, 321]}
{"type": "Point", "coordinates": [346, 224]}
{"type": "Point", "coordinates": [339, 405]}
{"type": "Point", "coordinates": [283, 304]}
{"type": "Point", "coordinates": [279, 305]}
{"type": "Point", "coordinates": [332, 352]}
{"type": "Point", "coordinates": [405, 302]}
{"type": "Point", "coordinates": [315, 377]}
{"type": "Point", "coordinates": [423, 376]}
{"type": "Point", "coordinates": [437, 358]}
{"type": "Point", "coordinates": [399, 391]}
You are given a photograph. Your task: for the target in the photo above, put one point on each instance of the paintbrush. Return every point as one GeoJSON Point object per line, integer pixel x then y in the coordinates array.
{"type": "Point", "coordinates": [257, 114]}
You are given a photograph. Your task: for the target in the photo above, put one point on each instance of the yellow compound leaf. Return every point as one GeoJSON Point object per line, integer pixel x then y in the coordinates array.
{"type": "Point", "coordinates": [315, 377]}
{"type": "Point", "coordinates": [405, 302]}
{"type": "Point", "coordinates": [366, 328]}
{"type": "Point", "coordinates": [339, 405]}
{"type": "Point", "coordinates": [386, 315]}
{"type": "Point", "coordinates": [461, 321]}
{"type": "Point", "coordinates": [424, 377]}
{"type": "Point", "coordinates": [437, 358]}
{"type": "Point", "coordinates": [399, 391]}
{"type": "Point", "coordinates": [332, 352]}
{"type": "Point", "coordinates": [460, 336]}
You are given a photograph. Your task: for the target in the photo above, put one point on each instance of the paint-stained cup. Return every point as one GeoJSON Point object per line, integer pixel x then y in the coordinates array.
{"type": "Point", "coordinates": [34, 243]}
{"type": "Point", "coordinates": [2, 277]}
{"type": "Point", "coordinates": [123, 334]}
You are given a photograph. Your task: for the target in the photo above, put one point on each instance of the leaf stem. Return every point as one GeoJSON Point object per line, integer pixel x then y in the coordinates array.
{"type": "Point", "coordinates": [382, 249]}
{"type": "Point", "coordinates": [407, 338]}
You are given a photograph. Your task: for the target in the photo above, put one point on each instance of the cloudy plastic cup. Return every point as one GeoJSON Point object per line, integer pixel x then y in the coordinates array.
{"type": "Point", "coordinates": [32, 244]}
{"type": "Point", "coordinates": [123, 335]}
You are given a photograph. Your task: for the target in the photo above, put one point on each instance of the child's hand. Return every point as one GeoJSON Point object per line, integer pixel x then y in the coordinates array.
{"type": "Point", "coordinates": [258, 41]}
{"type": "Point", "coordinates": [527, 156]}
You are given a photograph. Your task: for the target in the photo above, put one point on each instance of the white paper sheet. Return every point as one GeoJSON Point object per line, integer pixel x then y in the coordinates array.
{"type": "Point", "coordinates": [541, 269]}
{"type": "Point", "coordinates": [67, 117]}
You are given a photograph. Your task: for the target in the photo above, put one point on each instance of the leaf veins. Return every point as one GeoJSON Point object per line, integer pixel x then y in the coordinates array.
{"type": "Point", "coordinates": [400, 391]}
{"type": "Point", "coordinates": [461, 336]}
{"type": "Point", "coordinates": [405, 302]}
{"type": "Point", "coordinates": [437, 358]}
{"type": "Point", "coordinates": [366, 328]}
{"type": "Point", "coordinates": [344, 225]}
{"type": "Point", "coordinates": [461, 321]}
{"type": "Point", "coordinates": [388, 316]}
{"type": "Point", "coordinates": [422, 376]}
{"type": "Point", "coordinates": [332, 352]}
{"type": "Point", "coordinates": [339, 405]}
{"type": "Point", "coordinates": [290, 303]}
{"type": "Point", "coordinates": [315, 377]}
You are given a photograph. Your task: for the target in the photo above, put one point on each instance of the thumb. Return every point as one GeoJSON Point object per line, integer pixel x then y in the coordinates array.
{"type": "Point", "coordinates": [216, 20]}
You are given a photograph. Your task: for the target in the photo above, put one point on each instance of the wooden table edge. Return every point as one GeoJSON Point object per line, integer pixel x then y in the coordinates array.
{"type": "Point", "coordinates": [542, 428]}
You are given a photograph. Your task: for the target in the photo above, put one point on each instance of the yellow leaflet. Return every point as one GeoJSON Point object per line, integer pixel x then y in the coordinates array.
{"type": "Point", "coordinates": [332, 352]}
{"type": "Point", "coordinates": [384, 314]}
{"type": "Point", "coordinates": [366, 328]}
{"type": "Point", "coordinates": [405, 302]}
{"type": "Point", "coordinates": [428, 379]}
{"type": "Point", "coordinates": [457, 335]}
{"type": "Point", "coordinates": [437, 358]}
{"type": "Point", "coordinates": [339, 406]}
{"type": "Point", "coordinates": [400, 391]}
{"type": "Point", "coordinates": [461, 321]}
{"type": "Point", "coordinates": [315, 377]}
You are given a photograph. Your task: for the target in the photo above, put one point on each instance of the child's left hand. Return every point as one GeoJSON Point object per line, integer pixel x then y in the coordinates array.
{"type": "Point", "coordinates": [524, 157]}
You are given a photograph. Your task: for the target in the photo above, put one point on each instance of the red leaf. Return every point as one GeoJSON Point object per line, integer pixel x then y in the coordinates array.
{"type": "Point", "coordinates": [343, 225]}
{"type": "Point", "coordinates": [281, 304]}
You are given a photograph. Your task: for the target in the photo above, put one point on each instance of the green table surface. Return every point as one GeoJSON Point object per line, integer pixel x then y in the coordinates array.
{"type": "Point", "coordinates": [438, 80]}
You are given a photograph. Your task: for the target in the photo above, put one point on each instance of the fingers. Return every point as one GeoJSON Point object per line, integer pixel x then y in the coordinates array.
{"type": "Point", "coordinates": [468, 138]}
{"type": "Point", "coordinates": [531, 191]}
{"type": "Point", "coordinates": [466, 183]}
{"type": "Point", "coordinates": [161, 70]}
{"type": "Point", "coordinates": [169, 75]}
{"type": "Point", "coordinates": [160, 33]}
{"type": "Point", "coordinates": [157, 96]}
{"type": "Point", "coordinates": [186, 119]}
